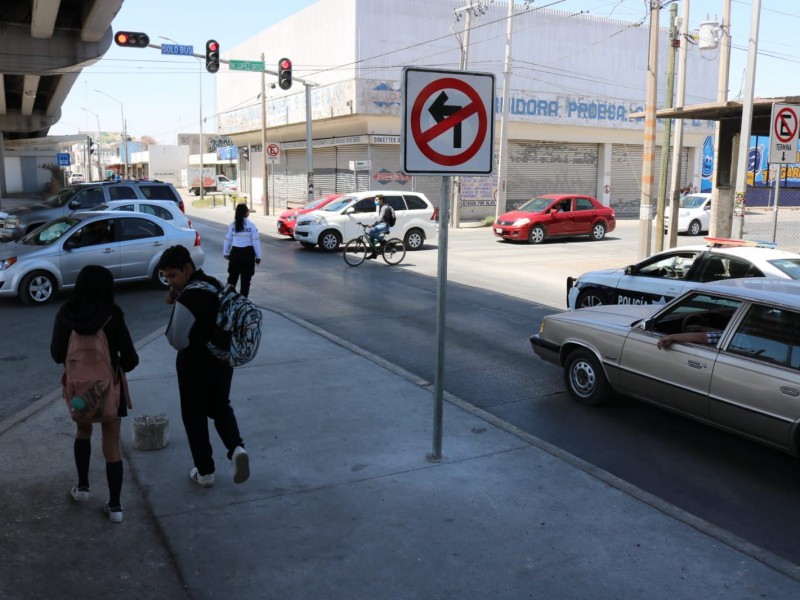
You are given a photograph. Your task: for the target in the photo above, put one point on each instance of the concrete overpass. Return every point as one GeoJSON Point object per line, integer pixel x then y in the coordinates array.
{"type": "Point", "coordinates": [44, 45]}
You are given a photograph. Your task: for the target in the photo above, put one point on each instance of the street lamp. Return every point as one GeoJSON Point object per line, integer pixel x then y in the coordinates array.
{"type": "Point", "coordinates": [124, 131]}
{"type": "Point", "coordinates": [200, 79]}
{"type": "Point", "coordinates": [99, 168]}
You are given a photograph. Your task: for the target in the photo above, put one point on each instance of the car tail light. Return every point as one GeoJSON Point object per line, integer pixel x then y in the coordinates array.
{"type": "Point", "coordinates": [435, 215]}
{"type": "Point", "coordinates": [196, 238]}
{"type": "Point", "coordinates": [182, 207]}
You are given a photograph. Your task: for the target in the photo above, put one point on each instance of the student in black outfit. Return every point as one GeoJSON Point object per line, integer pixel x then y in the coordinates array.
{"type": "Point", "coordinates": [242, 249]}
{"type": "Point", "coordinates": [204, 382]}
{"type": "Point", "coordinates": [91, 308]}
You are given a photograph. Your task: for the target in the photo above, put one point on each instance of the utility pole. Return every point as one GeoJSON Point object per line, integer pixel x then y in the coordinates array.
{"type": "Point", "coordinates": [667, 133]}
{"type": "Point", "coordinates": [264, 181]}
{"type": "Point", "coordinates": [677, 145]}
{"type": "Point", "coordinates": [502, 166]}
{"type": "Point", "coordinates": [648, 150]}
{"type": "Point", "coordinates": [747, 118]}
{"type": "Point", "coordinates": [722, 199]}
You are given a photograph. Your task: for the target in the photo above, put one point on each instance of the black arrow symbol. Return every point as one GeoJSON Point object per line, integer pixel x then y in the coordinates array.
{"type": "Point", "coordinates": [440, 111]}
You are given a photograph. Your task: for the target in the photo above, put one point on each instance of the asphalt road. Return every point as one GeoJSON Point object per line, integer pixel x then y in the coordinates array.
{"type": "Point", "coordinates": [735, 484]}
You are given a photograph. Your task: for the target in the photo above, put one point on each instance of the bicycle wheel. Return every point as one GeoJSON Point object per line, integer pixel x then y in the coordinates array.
{"type": "Point", "coordinates": [355, 251]}
{"type": "Point", "coordinates": [394, 251]}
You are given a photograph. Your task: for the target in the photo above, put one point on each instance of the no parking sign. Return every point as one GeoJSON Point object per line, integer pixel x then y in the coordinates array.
{"type": "Point", "coordinates": [448, 122]}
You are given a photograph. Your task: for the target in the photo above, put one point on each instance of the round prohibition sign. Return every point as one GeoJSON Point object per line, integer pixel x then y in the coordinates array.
{"type": "Point", "coordinates": [273, 150]}
{"type": "Point", "coordinates": [785, 125]}
{"type": "Point", "coordinates": [424, 138]}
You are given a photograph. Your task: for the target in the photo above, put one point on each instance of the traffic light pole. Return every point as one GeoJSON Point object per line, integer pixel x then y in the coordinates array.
{"type": "Point", "coordinates": [264, 181]}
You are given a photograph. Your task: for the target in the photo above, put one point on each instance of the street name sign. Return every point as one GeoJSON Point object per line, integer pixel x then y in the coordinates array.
{"type": "Point", "coordinates": [177, 49]}
{"type": "Point", "coordinates": [783, 134]}
{"type": "Point", "coordinates": [246, 65]}
{"type": "Point", "coordinates": [448, 122]}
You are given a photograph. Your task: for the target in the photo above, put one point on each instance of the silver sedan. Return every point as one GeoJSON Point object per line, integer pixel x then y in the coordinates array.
{"type": "Point", "coordinates": [726, 353]}
{"type": "Point", "coordinates": [50, 257]}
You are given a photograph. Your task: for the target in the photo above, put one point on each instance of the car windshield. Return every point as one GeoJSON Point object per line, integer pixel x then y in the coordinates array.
{"type": "Point", "coordinates": [790, 266]}
{"type": "Point", "coordinates": [692, 201]}
{"type": "Point", "coordinates": [536, 205]}
{"type": "Point", "coordinates": [338, 205]}
{"type": "Point", "coordinates": [46, 234]}
{"type": "Point", "coordinates": [314, 204]}
{"type": "Point", "coordinates": [61, 198]}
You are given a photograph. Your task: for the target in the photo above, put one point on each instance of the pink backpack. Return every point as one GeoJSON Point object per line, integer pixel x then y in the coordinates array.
{"type": "Point", "coordinates": [91, 388]}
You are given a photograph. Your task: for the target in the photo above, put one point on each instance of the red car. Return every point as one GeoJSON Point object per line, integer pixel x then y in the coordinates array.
{"type": "Point", "coordinates": [289, 217]}
{"type": "Point", "coordinates": [556, 215]}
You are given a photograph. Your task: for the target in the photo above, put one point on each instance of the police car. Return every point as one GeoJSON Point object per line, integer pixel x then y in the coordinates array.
{"type": "Point", "coordinates": [663, 276]}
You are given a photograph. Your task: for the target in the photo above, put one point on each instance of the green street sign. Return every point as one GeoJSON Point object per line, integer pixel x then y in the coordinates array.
{"type": "Point", "coordinates": [246, 65]}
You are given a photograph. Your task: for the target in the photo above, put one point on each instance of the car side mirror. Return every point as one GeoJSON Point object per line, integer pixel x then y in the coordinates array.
{"type": "Point", "coordinates": [71, 244]}
{"type": "Point", "coordinates": [630, 270]}
{"type": "Point", "coordinates": [349, 210]}
{"type": "Point", "coordinates": [74, 204]}
{"type": "Point", "coordinates": [553, 211]}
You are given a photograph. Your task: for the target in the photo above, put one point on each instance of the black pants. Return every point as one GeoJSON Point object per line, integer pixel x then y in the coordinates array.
{"type": "Point", "coordinates": [242, 263]}
{"type": "Point", "coordinates": [204, 384]}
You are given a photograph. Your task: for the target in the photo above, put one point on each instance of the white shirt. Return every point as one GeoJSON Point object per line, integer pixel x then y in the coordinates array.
{"type": "Point", "coordinates": [248, 236]}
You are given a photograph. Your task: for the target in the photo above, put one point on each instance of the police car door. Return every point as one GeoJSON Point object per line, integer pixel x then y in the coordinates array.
{"type": "Point", "coordinates": [656, 280]}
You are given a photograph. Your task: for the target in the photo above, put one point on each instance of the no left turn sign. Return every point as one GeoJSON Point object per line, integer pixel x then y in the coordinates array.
{"type": "Point", "coordinates": [448, 122]}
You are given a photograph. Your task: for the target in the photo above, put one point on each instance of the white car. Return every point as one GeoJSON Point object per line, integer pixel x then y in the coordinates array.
{"type": "Point", "coordinates": [76, 178]}
{"type": "Point", "coordinates": [163, 209]}
{"type": "Point", "coordinates": [663, 276]}
{"type": "Point", "coordinates": [694, 214]}
{"type": "Point", "coordinates": [337, 222]}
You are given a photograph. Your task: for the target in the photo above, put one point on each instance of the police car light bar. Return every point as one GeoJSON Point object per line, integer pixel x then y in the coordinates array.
{"type": "Point", "coordinates": [716, 242]}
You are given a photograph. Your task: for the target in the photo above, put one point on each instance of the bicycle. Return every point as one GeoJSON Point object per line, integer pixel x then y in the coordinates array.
{"type": "Point", "coordinates": [355, 251]}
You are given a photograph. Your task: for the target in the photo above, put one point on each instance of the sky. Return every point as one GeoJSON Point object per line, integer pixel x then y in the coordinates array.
{"type": "Point", "coordinates": [160, 94]}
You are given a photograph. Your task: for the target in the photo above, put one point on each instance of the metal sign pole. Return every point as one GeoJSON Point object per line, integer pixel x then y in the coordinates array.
{"type": "Point", "coordinates": [775, 208]}
{"type": "Point", "coordinates": [441, 301]}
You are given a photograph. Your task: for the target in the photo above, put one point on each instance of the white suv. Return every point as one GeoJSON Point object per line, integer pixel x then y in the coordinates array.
{"type": "Point", "coordinates": [337, 222]}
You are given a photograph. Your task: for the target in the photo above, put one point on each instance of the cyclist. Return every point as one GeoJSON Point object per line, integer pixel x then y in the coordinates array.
{"type": "Point", "coordinates": [385, 220]}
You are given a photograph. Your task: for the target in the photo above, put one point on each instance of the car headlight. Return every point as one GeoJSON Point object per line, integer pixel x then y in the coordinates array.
{"type": "Point", "coordinates": [7, 262]}
{"type": "Point", "coordinates": [12, 222]}
{"type": "Point", "coordinates": [521, 222]}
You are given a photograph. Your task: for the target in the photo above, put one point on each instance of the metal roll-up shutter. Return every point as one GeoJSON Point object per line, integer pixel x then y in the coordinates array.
{"type": "Point", "coordinates": [324, 171]}
{"type": "Point", "coordinates": [345, 183]}
{"type": "Point", "coordinates": [430, 186]}
{"type": "Point", "coordinates": [536, 168]}
{"type": "Point", "coordinates": [291, 179]}
{"type": "Point", "coordinates": [626, 177]}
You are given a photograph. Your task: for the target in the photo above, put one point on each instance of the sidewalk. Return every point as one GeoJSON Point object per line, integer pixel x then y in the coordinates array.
{"type": "Point", "coordinates": [343, 503]}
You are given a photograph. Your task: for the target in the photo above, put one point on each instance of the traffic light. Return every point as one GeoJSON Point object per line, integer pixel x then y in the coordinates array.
{"type": "Point", "coordinates": [132, 39]}
{"type": "Point", "coordinates": [244, 153]}
{"type": "Point", "coordinates": [212, 56]}
{"type": "Point", "coordinates": [90, 145]}
{"type": "Point", "coordinates": [285, 73]}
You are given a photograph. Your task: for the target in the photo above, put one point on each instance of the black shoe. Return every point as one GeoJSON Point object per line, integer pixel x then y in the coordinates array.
{"type": "Point", "coordinates": [372, 256]}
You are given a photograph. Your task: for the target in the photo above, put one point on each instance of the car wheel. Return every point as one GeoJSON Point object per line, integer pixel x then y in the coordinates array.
{"type": "Point", "coordinates": [695, 228]}
{"type": "Point", "coordinates": [598, 232]}
{"type": "Point", "coordinates": [329, 240]}
{"type": "Point", "coordinates": [307, 245]}
{"type": "Point", "coordinates": [586, 382]}
{"type": "Point", "coordinates": [537, 234]}
{"type": "Point", "coordinates": [590, 297]}
{"type": "Point", "coordinates": [159, 280]}
{"type": "Point", "coordinates": [415, 239]}
{"type": "Point", "coordinates": [37, 288]}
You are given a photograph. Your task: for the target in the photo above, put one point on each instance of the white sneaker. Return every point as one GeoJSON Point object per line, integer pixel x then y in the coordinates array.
{"type": "Point", "coordinates": [80, 494]}
{"type": "Point", "coordinates": [114, 514]}
{"type": "Point", "coordinates": [241, 465]}
{"type": "Point", "coordinates": [201, 480]}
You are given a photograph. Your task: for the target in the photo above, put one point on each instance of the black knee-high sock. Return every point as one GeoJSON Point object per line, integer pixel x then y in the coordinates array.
{"type": "Point", "coordinates": [114, 476]}
{"type": "Point", "coordinates": [83, 453]}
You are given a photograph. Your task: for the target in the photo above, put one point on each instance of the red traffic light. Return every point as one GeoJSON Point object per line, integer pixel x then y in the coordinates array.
{"type": "Point", "coordinates": [213, 46]}
{"type": "Point", "coordinates": [284, 73]}
{"type": "Point", "coordinates": [286, 64]}
{"type": "Point", "coordinates": [212, 56]}
{"type": "Point", "coordinates": [131, 39]}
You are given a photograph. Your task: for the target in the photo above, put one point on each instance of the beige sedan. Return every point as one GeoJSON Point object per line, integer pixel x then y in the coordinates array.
{"type": "Point", "coordinates": [744, 376]}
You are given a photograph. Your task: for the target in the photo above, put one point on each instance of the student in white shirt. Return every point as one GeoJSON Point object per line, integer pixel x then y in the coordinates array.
{"type": "Point", "coordinates": [242, 249]}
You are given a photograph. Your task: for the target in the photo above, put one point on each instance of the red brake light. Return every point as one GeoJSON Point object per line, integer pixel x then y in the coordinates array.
{"type": "Point", "coordinates": [435, 216]}
{"type": "Point", "coordinates": [196, 238]}
{"type": "Point", "coordinates": [182, 207]}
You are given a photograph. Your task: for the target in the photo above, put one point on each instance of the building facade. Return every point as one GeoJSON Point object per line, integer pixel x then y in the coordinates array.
{"type": "Point", "coordinates": [575, 79]}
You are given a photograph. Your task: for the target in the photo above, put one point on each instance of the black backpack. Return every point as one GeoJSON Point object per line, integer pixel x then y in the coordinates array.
{"type": "Point", "coordinates": [391, 219]}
